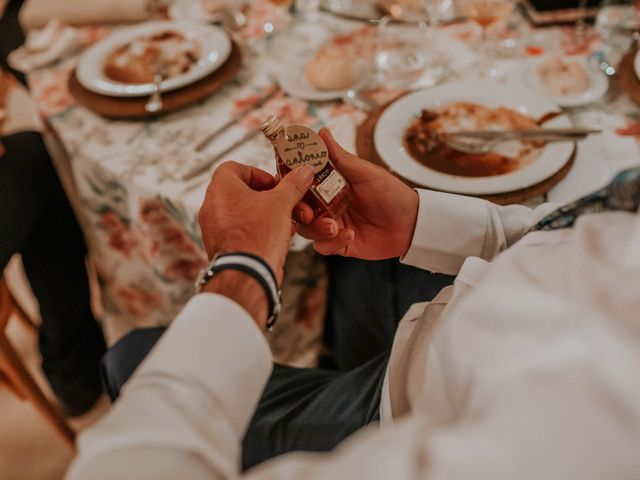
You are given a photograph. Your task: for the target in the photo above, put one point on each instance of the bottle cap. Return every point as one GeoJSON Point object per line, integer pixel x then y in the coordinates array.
{"type": "Point", "coordinates": [272, 126]}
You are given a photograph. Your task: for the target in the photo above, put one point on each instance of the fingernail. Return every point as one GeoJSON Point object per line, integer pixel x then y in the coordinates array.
{"type": "Point", "coordinates": [348, 235]}
{"type": "Point", "coordinates": [301, 216]}
{"type": "Point", "coordinates": [305, 172]}
{"type": "Point", "coordinates": [329, 228]}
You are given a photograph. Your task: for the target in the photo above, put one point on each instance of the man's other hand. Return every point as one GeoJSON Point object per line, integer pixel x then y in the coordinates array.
{"type": "Point", "coordinates": [246, 209]}
{"type": "Point", "coordinates": [380, 219]}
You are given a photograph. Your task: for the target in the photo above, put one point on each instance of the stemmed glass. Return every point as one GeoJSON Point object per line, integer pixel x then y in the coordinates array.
{"type": "Point", "coordinates": [407, 53]}
{"type": "Point", "coordinates": [487, 13]}
{"type": "Point", "coordinates": [436, 9]}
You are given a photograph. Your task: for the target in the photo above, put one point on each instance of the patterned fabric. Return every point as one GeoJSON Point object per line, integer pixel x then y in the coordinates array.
{"type": "Point", "coordinates": [623, 193]}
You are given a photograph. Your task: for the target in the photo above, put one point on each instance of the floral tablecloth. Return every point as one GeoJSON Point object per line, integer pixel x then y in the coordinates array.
{"type": "Point", "coordinates": [142, 218]}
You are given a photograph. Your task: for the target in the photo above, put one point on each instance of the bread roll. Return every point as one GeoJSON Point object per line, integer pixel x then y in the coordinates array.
{"type": "Point", "coordinates": [332, 70]}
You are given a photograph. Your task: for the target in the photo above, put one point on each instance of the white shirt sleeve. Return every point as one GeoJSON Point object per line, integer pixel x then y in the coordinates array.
{"type": "Point", "coordinates": [450, 228]}
{"type": "Point", "coordinates": [194, 394]}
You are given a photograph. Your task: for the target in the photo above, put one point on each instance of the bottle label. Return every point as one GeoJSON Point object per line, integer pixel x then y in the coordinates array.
{"type": "Point", "coordinates": [330, 186]}
{"type": "Point", "coordinates": [302, 146]}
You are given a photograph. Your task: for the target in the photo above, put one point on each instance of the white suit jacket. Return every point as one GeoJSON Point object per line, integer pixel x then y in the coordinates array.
{"type": "Point", "coordinates": [528, 367]}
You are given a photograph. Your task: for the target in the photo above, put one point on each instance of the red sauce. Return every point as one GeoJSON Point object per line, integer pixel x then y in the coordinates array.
{"type": "Point", "coordinates": [442, 158]}
{"type": "Point", "coordinates": [445, 160]}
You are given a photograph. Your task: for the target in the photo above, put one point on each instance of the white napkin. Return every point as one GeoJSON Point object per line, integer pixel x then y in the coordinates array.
{"type": "Point", "coordinates": [598, 160]}
{"type": "Point", "coordinates": [37, 13]}
{"type": "Point", "coordinates": [45, 46]}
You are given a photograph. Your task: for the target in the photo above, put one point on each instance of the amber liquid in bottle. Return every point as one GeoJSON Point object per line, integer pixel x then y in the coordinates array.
{"type": "Point", "coordinates": [329, 195]}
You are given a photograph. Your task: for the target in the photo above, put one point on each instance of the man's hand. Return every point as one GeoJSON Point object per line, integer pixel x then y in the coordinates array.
{"type": "Point", "coordinates": [380, 219]}
{"type": "Point", "coordinates": [245, 209]}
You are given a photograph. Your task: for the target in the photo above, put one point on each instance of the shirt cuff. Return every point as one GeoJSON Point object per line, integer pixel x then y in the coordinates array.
{"type": "Point", "coordinates": [449, 229]}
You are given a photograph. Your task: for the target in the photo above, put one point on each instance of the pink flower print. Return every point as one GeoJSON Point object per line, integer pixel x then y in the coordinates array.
{"type": "Point", "coordinates": [121, 238]}
{"type": "Point", "coordinates": [92, 34]}
{"type": "Point", "coordinates": [138, 302]}
{"type": "Point", "coordinates": [168, 247]}
{"type": "Point", "coordinates": [632, 129]}
{"type": "Point", "coordinates": [50, 91]}
{"type": "Point", "coordinates": [290, 110]}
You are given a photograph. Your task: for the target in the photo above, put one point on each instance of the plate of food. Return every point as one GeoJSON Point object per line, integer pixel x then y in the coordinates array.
{"type": "Point", "coordinates": [205, 11]}
{"type": "Point", "coordinates": [402, 129]}
{"type": "Point", "coordinates": [567, 81]}
{"type": "Point", "coordinates": [125, 63]}
{"type": "Point", "coordinates": [365, 10]}
{"type": "Point", "coordinates": [636, 64]}
{"type": "Point", "coordinates": [326, 75]}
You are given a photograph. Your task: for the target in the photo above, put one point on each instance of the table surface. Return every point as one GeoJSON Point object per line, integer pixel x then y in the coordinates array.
{"type": "Point", "coordinates": [143, 217]}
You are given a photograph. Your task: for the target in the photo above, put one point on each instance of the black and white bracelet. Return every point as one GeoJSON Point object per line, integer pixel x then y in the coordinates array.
{"type": "Point", "coordinates": [252, 265]}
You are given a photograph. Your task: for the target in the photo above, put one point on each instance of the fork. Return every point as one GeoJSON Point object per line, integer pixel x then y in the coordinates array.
{"type": "Point", "coordinates": [478, 142]}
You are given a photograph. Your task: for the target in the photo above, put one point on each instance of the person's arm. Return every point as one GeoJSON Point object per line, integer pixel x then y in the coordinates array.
{"type": "Point", "coordinates": [538, 385]}
{"type": "Point", "coordinates": [450, 228]}
{"type": "Point", "coordinates": [431, 230]}
{"type": "Point", "coordinates": [196, 391]}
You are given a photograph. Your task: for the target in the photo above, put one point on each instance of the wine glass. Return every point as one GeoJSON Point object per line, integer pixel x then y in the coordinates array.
{"type": "Point", "coordinates": [407, 53]}
{"type": "Point", "coordinates": [487, 13]}
{"type": "Point", "coordinates": [436, 10]}
{"type": "Point", "coordinates": [284, 7]}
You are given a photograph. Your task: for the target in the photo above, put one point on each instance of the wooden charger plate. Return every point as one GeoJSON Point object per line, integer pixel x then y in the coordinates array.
{"type": "Point", "coordinates": [365, 147]}
{"type": "Point", "coordinates": [133, 107]}
{"type": "Point", "coordinates": [627, 75]}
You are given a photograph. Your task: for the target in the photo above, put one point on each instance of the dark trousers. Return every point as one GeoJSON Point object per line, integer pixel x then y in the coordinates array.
{"type": "Point", "coordinates": [315, 409]}
{"type": "Point", "coordinates": [11, 36]}
{"type": "Point", "coordinates": [36, 221]}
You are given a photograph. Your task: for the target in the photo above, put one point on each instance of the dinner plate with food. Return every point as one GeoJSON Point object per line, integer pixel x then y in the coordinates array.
{"type": "Point", "coordinates": [405, 132]}
{"type": "Point", "coordinates": [325, 76]}
{"type": "Point", "coordinates": [125, 63]}
{"type": "Point", "coordinates": [636, 64]}
{"type": "Point", "coordinates": [206, 11]}
{"type": "Point", "coordinates": [567, 81]}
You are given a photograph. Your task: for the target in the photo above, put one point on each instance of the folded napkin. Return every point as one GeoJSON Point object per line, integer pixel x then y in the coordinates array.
{"type": "Point", "coordinates": [45, 46]}
{"type": "Point", "coordinates": [37, 13]}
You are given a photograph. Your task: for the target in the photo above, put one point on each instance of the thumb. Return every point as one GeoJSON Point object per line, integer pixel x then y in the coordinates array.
{"type": "Point", "coordinates": [351, 166]}
{"type": "Point", "coordinates": [295, 184]}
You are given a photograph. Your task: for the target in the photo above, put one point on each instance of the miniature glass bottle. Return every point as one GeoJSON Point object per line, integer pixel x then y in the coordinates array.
{"type": "Point", "coordinates": [329, 195]}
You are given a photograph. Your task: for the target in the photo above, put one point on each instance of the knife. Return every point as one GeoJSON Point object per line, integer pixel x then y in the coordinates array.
{"type": "Point", "coordinates": [207, 164]}
{"type": "Point", "coordinates": [213, 135]}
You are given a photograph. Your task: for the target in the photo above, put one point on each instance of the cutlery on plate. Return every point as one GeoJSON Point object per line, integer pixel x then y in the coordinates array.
{"type": "Point", "coordinates": [479, 142]}
{"type": "Point", "coordinates": [210, 162]}
{"type": "Point", "coordinates": [219, 131]}
{"type": "Point", "coordinates": [533, 133]}
{"type": "Point", "coordinates": [155, 104]}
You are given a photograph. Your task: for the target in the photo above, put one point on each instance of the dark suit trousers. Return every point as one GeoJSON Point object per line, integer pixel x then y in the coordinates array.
{"type": "Point", "coordinates": [36, 221]}
{"type": "Point", "coordinates": [315, 409]}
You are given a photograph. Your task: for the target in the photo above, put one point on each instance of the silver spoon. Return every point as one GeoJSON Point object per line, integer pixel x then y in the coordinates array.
{"type": "Point", "coordinates": [154, 104]}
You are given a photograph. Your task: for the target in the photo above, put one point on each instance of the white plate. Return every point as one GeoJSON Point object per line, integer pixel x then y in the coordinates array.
{"type": "Point", "coordinates": [390, 129]}
{"type": "Point", "coordinates": [636, 65]}
{"type": "Point", "coordinates": [192, 10]}
{"type": "Point", "coordinates": [215, 47]}
{"type": "Point", "coordinates": [598, 84]}
{"type": "Point", "coordinates": [294, 82]}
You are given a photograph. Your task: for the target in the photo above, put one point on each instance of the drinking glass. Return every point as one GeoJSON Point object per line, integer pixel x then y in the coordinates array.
{"type": "Point", "coordinates": [615, 22]}
{"type": "Point", "coordinates": [436, 10]}
{"type": "Point", "coordinates": [284, 6]}
{"type": "Point", "coordinates": [487, 13]}
{"type": "Point", "coordinates": [407, 53]}
{"type": "Point", "coordinates": [401, 53]}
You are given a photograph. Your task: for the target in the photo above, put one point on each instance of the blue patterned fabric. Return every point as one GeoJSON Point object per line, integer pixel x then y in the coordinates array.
{"type": "Point", "coordinates": [623, 193]}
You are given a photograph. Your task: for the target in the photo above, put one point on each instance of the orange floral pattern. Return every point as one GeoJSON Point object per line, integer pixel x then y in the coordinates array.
{"type": "Point", "coordinates": [167, 246]}
{"type": "Point", "coordinates": [120, 236]}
